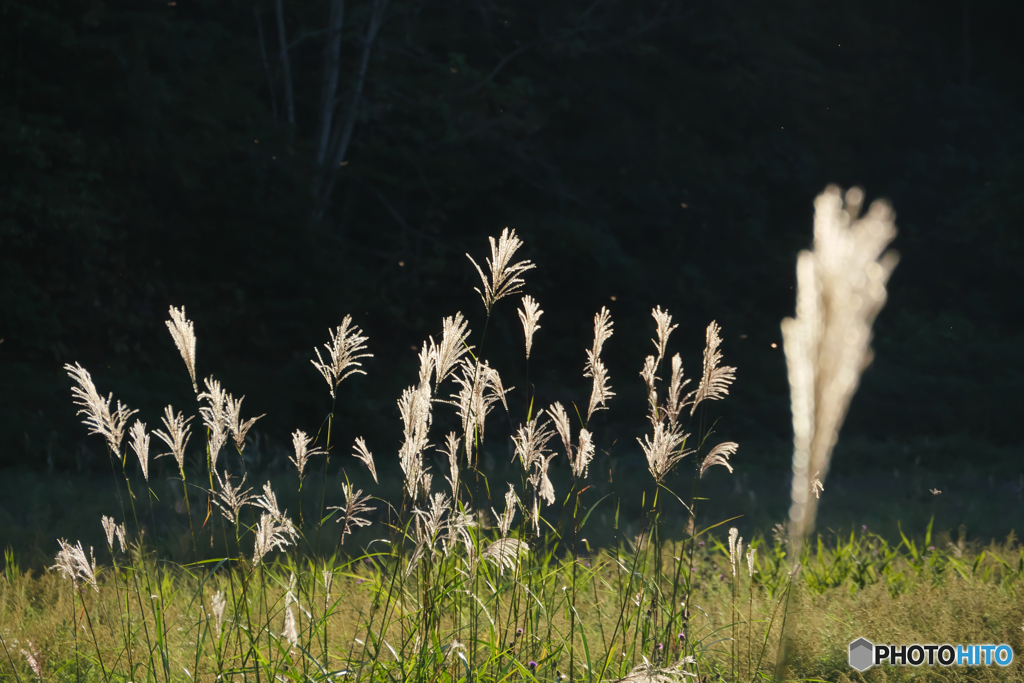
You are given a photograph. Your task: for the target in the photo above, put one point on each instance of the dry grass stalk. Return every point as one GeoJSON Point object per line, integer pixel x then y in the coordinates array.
{"type": "Point", "coordinates": [99, 419]}
{"type": "Point", "coordinates": [664, 328]}
{"type": "Point", "coordinates": [231, 499]}
{"type": "Point", "coordinates": [235, 425]}
{"type": "Point", "coordinates": [529, 314]}
{"type": "Point", "coordinates": [355, 505]}
{"type": "Point", "coordinates": [505, 519]}
{"type": "Point", "coordinates": [215, 417]}
{"type": "Point", "coordinates": [504, 278]}
{"type": "Point", "coordinates": [112, 529]}
{"type": "Point", "coordinates": [344, 352]}
{"type": "Point", "coordinates": [363, 454]}
{"type": "Point", "coordinates": [840, 290]}
{"type": "Point", "coordinates": [649, 673]}
{"type": "Point", "coordinates": [480, 388]}
{"type": "Point", "coordinates": [184, 336]}
{"type": "Point", "coordinates": [531, 446]}
{"type": "Point", "coordinates": [217, 605]}
{"type": "Point", "coordinates": [446, 356]}
{"type": "Point", "coordinates": [32, 658]}
{"type": "Point", "coordinates": [414, 408]}
{"type": "Point", "coordinates": [272, 532]}
{"type": "Point", "coordinates": [300, 442]}
{"type": "Point", "coordinates": [505, 553]}
{"type": "Point", "coordinates": [290, 633]}
{"type": "Point", "coordinates": [579, 457]}
{"type": "Point", "coordinates": [73, 564]}
{"type": "Point", "coordinates": [140, 444]}
{"type": "Point", "coordinates": [600, 391]}
{"type": "Point", "coordinates": [664, 448]}
{"type": "Point", "coordinates": [735, 548]}
{"type": "Point", "coordinates": [451, 452]}
{"type": "Point", "coordinates": [715, 380]}
{"type": "Point", "coordinates": [176, 437]}
{"type": "Point", "coordinates": [673, 406]}
{"type": "Point", "coordinates": [719, 455]}
{"type": "Point", "coordinates": [457, 528]}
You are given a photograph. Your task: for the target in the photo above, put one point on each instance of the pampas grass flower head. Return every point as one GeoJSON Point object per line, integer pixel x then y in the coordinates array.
{"type": "Point", "coordinates": [73, 564]}
{"type": "Point", "coordinates": [504, 275]}
{"type": "Point", "coordinates": [343, 354]}
{"type": "Point", "coordinates": [840, 290]}
{"type": "Point", "coordinates": [99, 418]}
{"type": "Point", "coordinates": [184, 336]}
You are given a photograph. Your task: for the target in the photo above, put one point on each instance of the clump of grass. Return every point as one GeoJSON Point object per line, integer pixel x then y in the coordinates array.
{"type": "Point", "coordinates": [439, 592]}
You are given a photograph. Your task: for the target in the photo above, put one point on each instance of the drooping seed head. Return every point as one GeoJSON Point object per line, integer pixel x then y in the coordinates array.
{"type": "Point", "coordinates": [183, 334]}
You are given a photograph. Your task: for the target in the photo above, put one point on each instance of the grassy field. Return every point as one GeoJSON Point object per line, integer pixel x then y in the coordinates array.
{"type": "Point", "coordinates": [237, 558]}
{"type": "Point", "coordinates": [598, 617]}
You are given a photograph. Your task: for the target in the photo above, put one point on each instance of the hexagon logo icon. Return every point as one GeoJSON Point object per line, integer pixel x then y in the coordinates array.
{"type": "Point", "coordinates": [861, 654]}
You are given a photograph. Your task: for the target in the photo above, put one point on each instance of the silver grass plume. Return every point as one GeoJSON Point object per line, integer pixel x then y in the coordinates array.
{"type": "Point", "coordinates": [505, 276]}
{"type": "Point", "coordinates": [529, 314]}
{"type": "Point", "coordinates": [561, 422]}
{"type": "Point", "coordinates": [344, 352]}
{"type": "Point", "coordinates": [650, 377]}
{"type": "Point", "coordinates": [663, 328]}
{"type": "Point", "coordinates": [674, 405]}
{"type": "Point", "coordinates": [579, 457]}
{"type": "Point", "coordinates": [32, 657]}
{"type": "Point", "coordinates": [428, 358]}
{"type": "Point", "coordinates": [140, 444]}
{"type": "Point", "coordinates": [458, 525]}
{"type": "Point", "coordinates": [272, 533]}
{"type": "Point", "coordinates": [74, 565]}
{"type": "Point", "coordinates": [531, 446]}
{"type": "Point", "coordinates": [431, 521]}
{"type": "Point", "coordinates": [735, 548]}
{"type": "Point", "coordinates": [363, 454]}
{"type": "Point", "coordinates": [600, 391]}
{"type": "Point", "coordinates": [215, 417]}
{"type": "Point", "coordinates": [751, 553]}
{"type": "Point", "coordinates": [427, 524]}
{"type": "Point", "coordinates": [649, 373]}
{"type": "Point", "coordinates": [112, 529]}
{"type": "Point", "coordinates": [446, 356]}
{"type": "Point", "coordinates": [505, 519]}
{"type": "Point", "coordinates": [300, 442]}
{"type": "Point", "coordinates": [715, 381]}
{"type": "Point", "coordinates": [184, 336]}
{"type": "Point", "coordinates": [176, 437]}
{"type": "Point", "coordinates": [231, 499]}
{"type": "Point", "coordinates": [217, 604]}
{"type": "Point", "coordinates": [649, 673]}
{"type": "Point", "coordinates": [414, 408]}
{"type": "Point", "coordinates": [840, 290]}
{"type": "Point", "coordinates": [719, 455]}
{"type": "Point", "coordinates": [480, 388]}
{"type": "Point", "coordinates": [451, 452]}
{"type": "Point", "coordinates": [238, 428]}
{"type": "Point", "coordinates": [355, 505]}
{"type": "Point", "coordinates": [505, 553]}
{"type": "Point", "coordinates": [328, 579]}
{"type": "Point", "coordinates": [98, 418]}
{"type": "Point", "coordinates": [290, 632]}
{"type": "Point", "coordinates": [268, 501]}
{"type": "Point", "coordinates": [664, 449]}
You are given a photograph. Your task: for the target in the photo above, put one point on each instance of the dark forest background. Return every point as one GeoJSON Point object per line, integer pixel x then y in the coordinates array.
{"type": "Point", "coordinates": [649, 153]}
